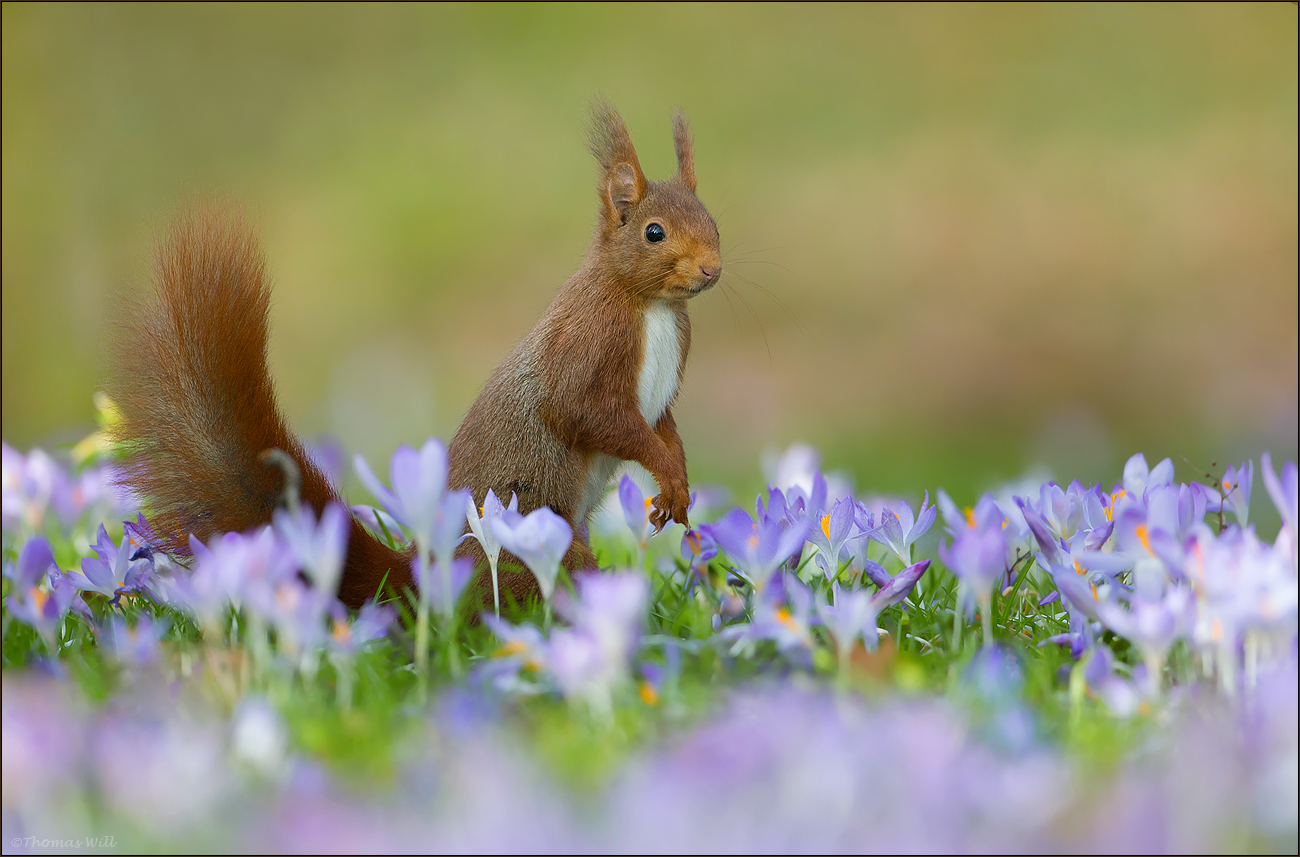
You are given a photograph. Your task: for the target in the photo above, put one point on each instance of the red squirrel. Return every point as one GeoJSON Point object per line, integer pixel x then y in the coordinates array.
{"type": "Point", "coordinates": [590, 386]}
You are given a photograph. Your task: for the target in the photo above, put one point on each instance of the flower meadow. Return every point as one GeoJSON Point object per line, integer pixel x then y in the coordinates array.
{"type": "Point", "coordinates": [1051, 668]}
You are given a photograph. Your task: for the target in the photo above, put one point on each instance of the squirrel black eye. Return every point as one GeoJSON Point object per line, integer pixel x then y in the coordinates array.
{"type": "Point", "coordinates": [654, 233]}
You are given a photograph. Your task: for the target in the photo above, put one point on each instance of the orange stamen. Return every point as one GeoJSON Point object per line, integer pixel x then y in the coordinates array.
{"type": "Point", "coordinates": [342, 631]}
{"type": "Point", "coordinates": [1141, 531]}
{"type": "Point", "coordinates": [514, 647]}
{"type": "Point", "coordinates": [1110, 510]}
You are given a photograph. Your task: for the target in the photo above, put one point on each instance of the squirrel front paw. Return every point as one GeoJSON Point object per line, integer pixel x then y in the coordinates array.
{"type": "Point", "coordinates": [671, 505]}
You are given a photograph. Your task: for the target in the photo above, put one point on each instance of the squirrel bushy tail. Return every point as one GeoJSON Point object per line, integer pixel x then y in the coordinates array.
{"type": "Point", "coordinates": [197, 404]}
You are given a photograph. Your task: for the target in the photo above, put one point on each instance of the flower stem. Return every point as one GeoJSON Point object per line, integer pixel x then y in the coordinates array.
{"type": "Point", "coordinates": [842, 676]}
{"type": "Point", "coordinates": [453, 650]}
{"type": "Point", "coordinates": [986, 613]}
{"type": "Point", "coordinates": [1155, 662]}
{"type": "Point", "coordinates": [343, 666]}
{"type": "Point", "coordinates": [956, 624]}
{"type": "Point", "coordinates": [422, 623]}
{"type": "Point", "coordinates": [496, 592]}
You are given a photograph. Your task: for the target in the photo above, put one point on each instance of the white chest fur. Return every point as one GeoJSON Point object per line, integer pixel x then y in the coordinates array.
{"type": "Point", "coordinates": [657, 381]}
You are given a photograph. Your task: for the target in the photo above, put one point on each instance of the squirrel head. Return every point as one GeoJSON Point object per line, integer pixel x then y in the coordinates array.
{"type": "Point", "coordinates": [656, 238]}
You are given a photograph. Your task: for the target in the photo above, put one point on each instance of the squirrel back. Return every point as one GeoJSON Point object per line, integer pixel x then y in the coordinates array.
{"type": "Point", "coordinates": [198, 407]}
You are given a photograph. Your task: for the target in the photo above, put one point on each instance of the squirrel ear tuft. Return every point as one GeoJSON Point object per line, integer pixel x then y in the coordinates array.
{"type": "Point", "coordinates": [685, 147]}
{"type": "Point", "coordinates": [622, 182]}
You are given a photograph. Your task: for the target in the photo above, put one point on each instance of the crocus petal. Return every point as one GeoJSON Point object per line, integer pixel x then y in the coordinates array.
{"type": "Point", "coordinates": [632, 502]}
{"type": "Point", "coordinates": [925, 520]}
{"type": "Point", "coordinates": [1136, 472]}
{"type": "Point", "coordinates": [1108, 564]}
{"type": "Point", "coordinates": [33, 562]}
{"type": "Point", "coordinates": [1162, 474]}
{"type": "Point", "coordinates": [460, 571]}
{"type": "Point", "coordinates": [378, 491]}
{"type": "Point", "coordinates": [900, 586]}
{"type": "Point", "coordinates": [1284, 491]}
{"type": "Point", "coordinates": [876, 573]}
{"type": "Point", "coordinates": [95, 575]}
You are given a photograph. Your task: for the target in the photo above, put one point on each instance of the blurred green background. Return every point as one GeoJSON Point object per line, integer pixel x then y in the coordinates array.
{"type": "Point", "coordinates": [959, 241]}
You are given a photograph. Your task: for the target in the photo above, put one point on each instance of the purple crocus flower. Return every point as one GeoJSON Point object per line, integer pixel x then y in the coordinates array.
{"type": "Point", "coordinates": [136, 646]}
{"type": "Point", "coordinates": [371, 623]}
{"type": "Point", "coordinates": [419, 480]}
{"type": "Point", "coordinates": [832, 532]}
{"type": "Point", "coordinates": [900, 585]}
{"type": "Point", "coordinates": [1061, 511]}
{"type": "Point", "coordinates": [91, 489]}
{"type": "Point", "coordinates": [977, 558]}
{"type": "Point", "coordinates": [522, 646]}
{"type": "Point", "coordinates": [480, 528]}
{"type": "Point", "coordinates": [593, 657]}
{"type": "Point", "coordinates": [29, 485]}
{"type": "Point", "coordinates": [868, 567]}
{"type": "Point", "coordinates": [540, 539]}
{"type": "Point", "coordinates": [775, 510]}
{"type": "Point", "coordinates": [1053, 548]}
{"type": "Point", "coordinates": [985, 514]}
{"type": "Point", "coordinates": [11, 476]}
{"type": "Point", "coordinates": [758, 548]}
{"type": "Point", "coordinates": [444, 599]}
{"type": "Point", "coordinates": [378, 521]}
{"type": "Point", "coordinates": [41, 608]}
{"type": "Point", "coordinates": [446, 530]}
{"type": "Point", "coordinates": [636, 511]}
{"type": "Point", "coordinates": [34, 562]}
{"type": "Point", "coordinates": [988, 515]}
{"type": "Point", "coordinates": [899, 530]}
{"type": "Point", "coordinates": [788, 624]}
{"type": "Point", "coordinates": [234, 569]}
{"type": "Point", "coordinates": [1079, 595]}
{"type": "Point", "coordinates": [1236, 485]}
{"type": "Point", "coordinates": [800, 504]}
{"type": "Point", "coordinates": [318, 548]}
{"type": "Point", "coordinates": [142, 537]}
{"type": "Point", "coordinates": [850, 617]}
{"type": "Point", "coordinates": [113, 573]}
{"type": "Point", "coordinates": [1124, 696]}
{"type": "Point", "coordinates": [297, 613]}
{"type": "Point", "coordinates": [1077, 589]}
{"type": "Point", "coordinates": [1138, 478]}
{"type": "Point", "coordinates": [1151, 625]}
{"type": "Point", "coordinates": [1284, 491]}
{"type": "Point", "coordinates": [698, 547]}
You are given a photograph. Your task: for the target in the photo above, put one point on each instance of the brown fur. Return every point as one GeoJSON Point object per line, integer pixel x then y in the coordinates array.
{"type": "Point", "coordinates": [199, 406]}
{"type": "Point", "coordinates": [568, 392]}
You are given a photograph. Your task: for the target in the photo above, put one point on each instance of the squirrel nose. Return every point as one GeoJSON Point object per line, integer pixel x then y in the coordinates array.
{"type": "Point", "coordinates": [710, 274]}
